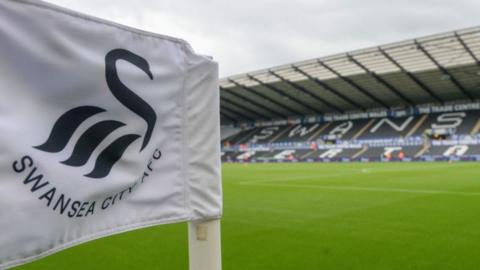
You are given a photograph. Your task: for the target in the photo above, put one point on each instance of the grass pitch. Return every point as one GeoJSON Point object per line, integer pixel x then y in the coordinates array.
{"type": "Point", "coordinates": [318, 216]}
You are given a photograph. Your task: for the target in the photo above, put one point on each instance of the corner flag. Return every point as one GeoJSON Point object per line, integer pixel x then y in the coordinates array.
{"type": "Point", "coordinates": [104, 129]}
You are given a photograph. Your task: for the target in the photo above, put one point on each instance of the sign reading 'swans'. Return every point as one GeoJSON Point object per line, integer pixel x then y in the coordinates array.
{"type": "Point", "coordinates": [103, 129]}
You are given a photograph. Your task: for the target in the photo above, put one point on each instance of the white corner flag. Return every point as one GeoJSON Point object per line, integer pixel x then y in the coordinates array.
{"type": "Point", "coordinates": [104, 129]}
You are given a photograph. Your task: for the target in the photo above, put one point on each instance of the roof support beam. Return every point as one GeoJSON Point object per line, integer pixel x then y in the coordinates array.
{"type": "Point", "coordinates": [282, 93]}
{"type": "Point", "coordinates": [228, 117]}
{"type": "Point", "coordinates": [248, 100]}
{"type": "Point", "coordinates": [305, 91]}
{"type": "Point", "coordinates": [241, 106]}
{"type": "Point", "coordinates": [410, 75]}
{"type": "Point", "coordinates": [443, 70]}
{"type": "Point", "coordinates": [237, 113]}
{"type": "Point", "coordinates": [265, 97]}
{"type": "Point", "coordinates": [353, 84]}
{"type": "Point", "coordinates": [467, 49]}
{"type": "Point", "coordinates": [380, 80]}
{"type": "Point", "coordinates": [328, 88]}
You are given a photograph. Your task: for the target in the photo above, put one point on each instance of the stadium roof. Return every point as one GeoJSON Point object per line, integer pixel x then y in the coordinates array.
{"type": "Point", "coordinates": [435, 69]}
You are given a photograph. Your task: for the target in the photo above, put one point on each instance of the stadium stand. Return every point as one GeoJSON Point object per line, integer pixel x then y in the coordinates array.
{"type": "Point", "coordinates": [416, 100]}
{"type": "Point", "coordinates": [300, 133]}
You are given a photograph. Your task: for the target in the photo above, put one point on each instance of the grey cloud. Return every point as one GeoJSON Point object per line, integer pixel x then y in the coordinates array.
{"type": "Point", "coordinates": [249, 35]}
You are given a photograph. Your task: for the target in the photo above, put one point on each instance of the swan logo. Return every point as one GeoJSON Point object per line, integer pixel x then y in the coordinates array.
{"type": "Point", "coordinates": [68, 123]}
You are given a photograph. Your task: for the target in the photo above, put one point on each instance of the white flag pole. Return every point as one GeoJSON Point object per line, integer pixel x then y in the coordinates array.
{"type": "Point", "coordinates": [204, 245]}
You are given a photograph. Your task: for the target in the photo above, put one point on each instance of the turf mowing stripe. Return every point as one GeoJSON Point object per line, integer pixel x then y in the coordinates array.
{"type": "Point", "coordinates": [371, 189]}
{"type": "Point", "coordinates": [298, 178]}
{"type": "Point", "coordinates": [355, 172]}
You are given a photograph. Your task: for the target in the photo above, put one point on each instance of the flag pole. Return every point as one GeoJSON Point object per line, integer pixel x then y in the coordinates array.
{"type": "Point", "coordinates": [204, 245]}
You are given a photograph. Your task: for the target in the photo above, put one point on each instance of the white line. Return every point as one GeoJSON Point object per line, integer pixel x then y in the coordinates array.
{"type": "Point", "coordinates": [355, 172]}
{"type": "Point", "coordinates": [421, 165]}
{"type": "Point", "coordinates": [370, 189]}
{"type": "Point", "coordinates": [299, 178]}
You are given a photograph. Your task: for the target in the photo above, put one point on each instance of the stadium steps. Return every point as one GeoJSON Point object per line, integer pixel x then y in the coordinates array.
{"type": "Point", "coordinates": [280, 134]}
{"type": "Point", "coordinates": [476, 128]}
{"type": "Point", "coordinates": [361, 131]}
{"type": "Point", "coordinates": [245, 138]}
{"type": "Point", "coordinates": [417, 125]}
{"type": "Point", "coordinates": [318, 132]}
{"type": "Point", "coordinates": [359, 153]}
{"type": "Point", "coordinates": [308, 154]}
{"type": "Point", "coordinates": [422, 151]}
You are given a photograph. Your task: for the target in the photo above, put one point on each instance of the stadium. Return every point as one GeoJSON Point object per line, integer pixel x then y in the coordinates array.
{"type": "Point", "coordinates": [415, 100]}
{"type": "Point", "coordinates": [361, 160]}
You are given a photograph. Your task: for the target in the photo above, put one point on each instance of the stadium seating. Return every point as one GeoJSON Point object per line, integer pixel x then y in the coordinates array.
{"type": "Point", "coordinates": [430, 137]}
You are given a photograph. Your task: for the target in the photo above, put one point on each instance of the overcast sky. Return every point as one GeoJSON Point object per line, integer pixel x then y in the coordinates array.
{"type": "Point", "coordinates": [247, 35]}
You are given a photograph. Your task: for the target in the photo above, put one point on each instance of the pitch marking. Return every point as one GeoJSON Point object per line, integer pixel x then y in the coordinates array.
{"type": "Point", "coordinates": [369, 189]}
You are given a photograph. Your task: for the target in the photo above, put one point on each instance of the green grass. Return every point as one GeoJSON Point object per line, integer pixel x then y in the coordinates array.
{"type": "Point", "coordinates": [318, 216]}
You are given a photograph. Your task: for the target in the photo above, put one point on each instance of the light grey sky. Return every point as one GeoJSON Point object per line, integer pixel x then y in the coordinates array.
{"type": "Point", "coordinates": [247, 35]}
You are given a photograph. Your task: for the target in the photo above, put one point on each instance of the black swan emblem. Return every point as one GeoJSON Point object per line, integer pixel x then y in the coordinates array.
{"type": "Point", "coordinates": [67, 123]}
